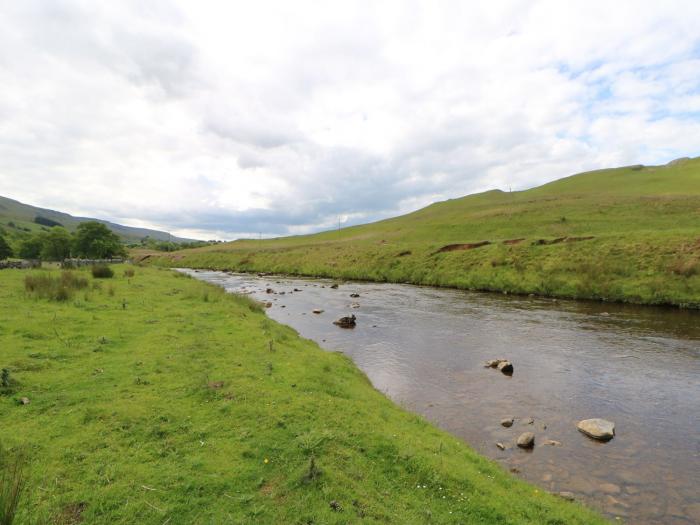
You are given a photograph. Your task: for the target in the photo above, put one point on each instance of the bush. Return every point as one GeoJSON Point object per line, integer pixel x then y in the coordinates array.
{"type": "Point", "coordinates": [102, 271]}
{"type": "Point", "coordinates": [59, 288]}
{"type": "Point", "coordinates": [129, 272]}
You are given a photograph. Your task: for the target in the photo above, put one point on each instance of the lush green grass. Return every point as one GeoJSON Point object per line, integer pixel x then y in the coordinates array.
{"type": "Point", "coordinates": [159, 399]}
{"type": "Point", "coordinates": [645, 224]}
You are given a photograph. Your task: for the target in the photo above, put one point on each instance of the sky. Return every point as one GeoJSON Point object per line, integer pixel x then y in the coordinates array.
{"type": "Point", "coordinates": [222, 120]}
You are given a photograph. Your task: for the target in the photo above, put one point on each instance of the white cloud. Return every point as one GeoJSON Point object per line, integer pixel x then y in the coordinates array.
{"type": "Point", "coordinates": [230, 119]}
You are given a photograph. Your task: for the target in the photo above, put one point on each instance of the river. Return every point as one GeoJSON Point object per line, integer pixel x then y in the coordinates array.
{"type": "Point", "coordinates": [425, 348]}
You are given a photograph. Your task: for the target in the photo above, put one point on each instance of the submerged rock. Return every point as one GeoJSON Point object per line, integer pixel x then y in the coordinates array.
{"type": "Point", "coordinates": [354, 295]}
{"type": "Point", "coordinates": [346, 322]}
{"type": "Point", "coordinates": [526, 440]}
{"type": "Point", "coordinates": [596, 428]}
{"type": "Point", "coordinates": [506, 367]}
{"type": "Point", "coordinates": [317, 311]}
{"type": "Point", "coordinates": [334, 286]}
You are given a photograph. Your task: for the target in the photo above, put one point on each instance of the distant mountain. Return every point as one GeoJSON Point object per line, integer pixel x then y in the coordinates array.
{"type": "Point", "coordinates": [16, 217]}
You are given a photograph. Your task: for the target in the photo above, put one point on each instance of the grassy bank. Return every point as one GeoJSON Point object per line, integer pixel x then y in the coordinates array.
{"type": "Point", "coordinates": [627, 234]}
{"type": "Point", "coordinates": [155, 398]}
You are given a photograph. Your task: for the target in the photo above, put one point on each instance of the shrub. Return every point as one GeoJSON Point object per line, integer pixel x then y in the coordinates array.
{"type": "Point", "coordinates": [129, 272]}
{"type": "Point", "coordinates": [102, 271]}
{"type": "Point", "coordinates": [55, 288]}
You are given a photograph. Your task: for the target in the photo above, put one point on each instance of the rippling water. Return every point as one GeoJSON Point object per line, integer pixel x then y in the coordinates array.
{"type": "Point", "coordinates": [425, 348]}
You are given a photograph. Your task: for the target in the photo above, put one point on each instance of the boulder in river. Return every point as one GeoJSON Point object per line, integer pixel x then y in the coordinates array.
{"type": "Point", "coordinates": [501, 445]}
{"type": "Point", "coordinates": [526, 440]}
{"type": "Point", "coordinates": [506, 367]}
{"type": "Point", "coordinates": [354, 295]}
{"type": "Point", "coordinates": [507, 422]}
{"type": "Point", "coordinates": [269, 290]}
{"type": "Point", "coordinates": [334, 286]}
{"type": "Point", "coordinates": [346, 322]}
{"type": "Point", "coordinates": [317, 311]}
{"type": "Point", "coordinates": [596, 428]}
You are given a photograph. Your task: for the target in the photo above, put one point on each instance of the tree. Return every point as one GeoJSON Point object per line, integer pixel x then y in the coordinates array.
{"type": "Point", "coordinates": [31, 247]}
{"type": "Point", "coordinates": [95, 241]}
{"type": "Point", "coordinates": [56, 244]}
{"type": "Point", "coordinates": [5, 249]}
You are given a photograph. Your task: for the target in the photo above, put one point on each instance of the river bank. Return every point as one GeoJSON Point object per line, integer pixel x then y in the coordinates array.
{"type": "Point", "coordinates": [426, 347]}
{"type": "Point", "coordinates": [156, 398]}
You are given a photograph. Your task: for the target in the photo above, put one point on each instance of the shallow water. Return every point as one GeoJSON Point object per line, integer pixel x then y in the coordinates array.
{"type": "Point", "coordinates": [425, 348]}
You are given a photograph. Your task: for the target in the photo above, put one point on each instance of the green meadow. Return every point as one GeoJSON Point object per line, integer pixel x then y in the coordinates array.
{"type": "Point", "coordinates": [155, 398]}
{"type": "Point", "coordinates": [627, 234]}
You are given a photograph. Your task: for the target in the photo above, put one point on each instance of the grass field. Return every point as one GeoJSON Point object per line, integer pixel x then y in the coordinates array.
{"type": "Point", "coordinates": [627, 234]}
{"type": "Point", "coordinates": [155, 398]}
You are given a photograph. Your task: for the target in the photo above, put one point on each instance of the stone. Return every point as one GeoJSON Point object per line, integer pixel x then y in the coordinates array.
{"type": "Point", "coordinates": [354, 295]}
{"type": "Point", "coordinates": [569, 496]}
{"type": "Point", "coordinates": [334, 286]}
{"type": "Point", "coordinates": [609, 488]}
{"type": "Point", "coordinates": [493, 363]}
{"type": "Point", "coordinates": [597, 428]}
{"type": "Point", "coordinates": [24, 401]}
{"type": "Point", "coordinates": [552, 442]}
{"type": "Point", "coordinates": [317, 311]}
{"type": "Point", "coordinates": [501, 445]}
{"type": "Point", "coordinates": [507, 422]}
{"type": "Point", "coordinates": [526, 440]}
{"type": "Point", "coordinates": [346, 322]}
{"type": "Point", "coordinates": [355, 305]}
{"type": "Point", "coordinates": [506, 367]}
{"type": "Point", "coordinates": [269, 290]}
{"type": "Point", "coordinates": [268, 305]}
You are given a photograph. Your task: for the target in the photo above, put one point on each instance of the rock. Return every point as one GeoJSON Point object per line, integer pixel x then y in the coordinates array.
{"type": "Point", "coordinates": [552, 443]}
{"type": "Point", "coordinates": [569, 496]}
{"type": "Point", "coordinates": [355, 305]}
{"type": "Point", "coordinates": [526, 440]}
{"type": "Point", "coordinates": [597, 428]}
{"type": "Point", "coordinates": [506, 367]}
{"type": "Point", "coordinates": [354, 295]}
{"type": "Point", "coordinates": [346, 322]}
{"type": "Point", "coordinates": [24, 401]}
{"type": "Point", "coordinates": [335, 506]}
{"type": "Point", "coordinates": [609, 488]}
{"type": "Point", "coordinates": [269, 290]}
{"type": "Point", "coordinates": [507, 422]}
{"type": "Point", "coordinates": [493, 363]}
{"type": "Point", "coordinates": [297, 290]}
{"type": "Point", "coordinates": [501, 445]}
{"type": "Point", "coordinates": [268, 305]}
{"type": "Point", "coordinates": [334, 286]}
{"type": "Point", "coordinates": [317, 311]}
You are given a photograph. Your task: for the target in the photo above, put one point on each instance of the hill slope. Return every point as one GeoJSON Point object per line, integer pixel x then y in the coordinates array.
{"type": "Point", "coordinates": [625, 234]}
{"type": "Point", "coordinates": [17, 217]}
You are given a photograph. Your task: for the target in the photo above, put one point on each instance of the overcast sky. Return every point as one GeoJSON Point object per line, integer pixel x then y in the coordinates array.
{"type": "Point", "coordinates": [227, 119]}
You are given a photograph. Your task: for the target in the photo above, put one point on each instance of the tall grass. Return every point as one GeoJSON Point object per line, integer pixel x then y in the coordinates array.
{"type": "Point", "coordinates": [54, 288]}
{"type": "Point", "coordinates": [11, 484]}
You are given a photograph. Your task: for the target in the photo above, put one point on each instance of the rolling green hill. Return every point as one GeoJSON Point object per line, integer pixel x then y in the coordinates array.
{"type": "Point", "coordinates": [18, 219]}
{"type": "Point", "coordinates": [626, 234]}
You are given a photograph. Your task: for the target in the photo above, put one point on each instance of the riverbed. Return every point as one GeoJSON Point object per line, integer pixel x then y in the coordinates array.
{"type": "Point", "coordinates": [425, 348]}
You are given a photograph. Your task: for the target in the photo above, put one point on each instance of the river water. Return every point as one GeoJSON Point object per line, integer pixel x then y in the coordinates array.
{"type": "Point", "coordinates": [425, 348]}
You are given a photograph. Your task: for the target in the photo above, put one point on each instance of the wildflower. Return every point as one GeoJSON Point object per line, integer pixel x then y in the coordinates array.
{"type": "Point", "coordinates": [266, 461]}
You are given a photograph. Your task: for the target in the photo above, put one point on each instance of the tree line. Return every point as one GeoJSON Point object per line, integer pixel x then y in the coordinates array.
{"type": "Point", "coordinates": [91, 240]}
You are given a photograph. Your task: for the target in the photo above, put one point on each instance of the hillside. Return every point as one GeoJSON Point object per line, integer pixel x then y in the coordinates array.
{"type": "Point", "coordinates": [17, 218]}
{"type": "Point", "coordinates": [626, 234]}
